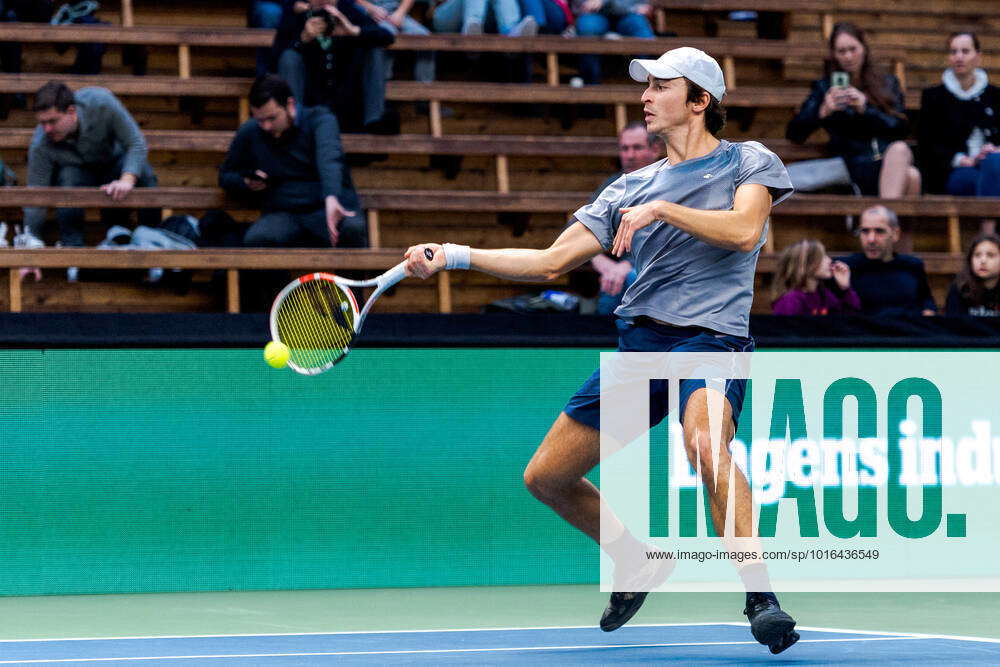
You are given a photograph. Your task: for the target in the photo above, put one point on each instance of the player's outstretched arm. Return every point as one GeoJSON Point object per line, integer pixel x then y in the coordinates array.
{"type": "Point", "coordinates": [575, 245]}
{"type": "Point", "coordinates": [736, 229]}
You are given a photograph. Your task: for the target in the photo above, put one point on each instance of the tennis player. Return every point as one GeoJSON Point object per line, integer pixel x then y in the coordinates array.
{"type": "Point", "coordinates": [694, 222]}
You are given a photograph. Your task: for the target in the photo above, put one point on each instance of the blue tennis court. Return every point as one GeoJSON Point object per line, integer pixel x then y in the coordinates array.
{"type": "Point", "coordinates": [715, 643]}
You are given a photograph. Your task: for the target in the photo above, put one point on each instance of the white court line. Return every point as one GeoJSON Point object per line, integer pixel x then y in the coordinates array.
{"type": "Point", "coordinates": [436, 651]}
{"type": "Point", "coordinates": [369, 632]}
{"type": "Point", "coordinates": [915, 635]}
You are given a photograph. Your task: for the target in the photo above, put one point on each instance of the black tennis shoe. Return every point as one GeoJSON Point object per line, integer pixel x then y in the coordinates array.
{"type": "Point", "coordinates": [769, 625]}
{"type": "Point", "coordinates": [623, 606]}
{"type": "Point", "coordinates": [620, 609]}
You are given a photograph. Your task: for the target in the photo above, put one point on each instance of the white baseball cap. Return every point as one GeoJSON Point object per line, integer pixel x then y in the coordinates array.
{"type": "Point", "coordinates": [691, 63]}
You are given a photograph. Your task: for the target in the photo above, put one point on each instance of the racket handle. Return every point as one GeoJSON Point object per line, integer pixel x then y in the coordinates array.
{"type": "Point", "coordinates": [428, 253]}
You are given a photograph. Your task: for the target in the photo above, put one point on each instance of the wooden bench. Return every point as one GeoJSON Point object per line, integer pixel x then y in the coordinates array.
{"type": "Point", "coordinates": [564, 203]}
{"type": "Point", "coordinates": [619, 96]}
{"type": "Point", "coordinates": [501, 147]}
{"type": "Point", "coordinates": [727, 50]}
{"type": "Point", "coordinates": [231, 260]}
{"type": "Point", "coordinates": [952, 208]}
{"type": "Point", "coordinates": [235, 260]}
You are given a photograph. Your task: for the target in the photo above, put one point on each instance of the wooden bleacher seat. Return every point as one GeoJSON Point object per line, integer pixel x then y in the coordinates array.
{"type": "Point", "coordinates": [378, 201]}
{"type": "Point", "coordinates": [421, 144]}
{"type": "Point", "coordinates": [235, 260]}
{"type": "Point", "coordinates": [725, 49]}
{"type": "Point", "coordinates": [801, 56]}
{"type": "Point", "coordinates": [620, 96]}
{"type": "Point", "coordinates": [232, 260]}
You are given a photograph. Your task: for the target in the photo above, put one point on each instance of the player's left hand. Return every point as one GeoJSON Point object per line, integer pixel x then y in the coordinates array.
{"type": "Point", "coordinates": [634, 218]}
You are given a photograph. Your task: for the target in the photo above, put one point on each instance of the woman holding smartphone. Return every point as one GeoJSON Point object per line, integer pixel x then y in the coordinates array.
{"type": "Point", "coordinates": [862, 110]}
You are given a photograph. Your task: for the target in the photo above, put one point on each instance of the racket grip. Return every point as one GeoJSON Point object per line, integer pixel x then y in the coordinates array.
{"type": "Point", "coordinates": [428, 253]}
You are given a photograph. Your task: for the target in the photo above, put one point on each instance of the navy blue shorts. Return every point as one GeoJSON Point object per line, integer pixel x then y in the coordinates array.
{"type": "Point", "coordinates": [646, 335]}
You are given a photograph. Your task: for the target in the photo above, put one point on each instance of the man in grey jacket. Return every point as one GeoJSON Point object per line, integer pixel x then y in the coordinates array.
{"type": "Point", "coordinates": [86, 139]}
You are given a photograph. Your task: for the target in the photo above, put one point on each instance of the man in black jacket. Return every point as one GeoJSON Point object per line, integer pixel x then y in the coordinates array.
{"type": "Point", "coordinates": [289, 160]}
{"type": "Point", "coordinates": [333, 55]}
{"type": "Point", "coordinates": [888, 283]}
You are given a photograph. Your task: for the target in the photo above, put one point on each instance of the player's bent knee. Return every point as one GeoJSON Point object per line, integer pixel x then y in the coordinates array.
{"type": "Point", "coordinates": [544, 484]}
{"type": "Point", "coordinates": [538, 483]}
{"type": "Point", "coordinates": [698, 445]}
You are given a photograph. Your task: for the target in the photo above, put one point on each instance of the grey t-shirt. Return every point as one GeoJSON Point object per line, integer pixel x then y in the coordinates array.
{"type": "Point", "coordinates": [682, 280]}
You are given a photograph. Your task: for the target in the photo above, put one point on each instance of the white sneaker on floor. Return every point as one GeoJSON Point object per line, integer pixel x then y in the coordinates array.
{"type": "Point", "coordinates": [25, 239]}
{"type": "Point", "coordinates": [526, 27]}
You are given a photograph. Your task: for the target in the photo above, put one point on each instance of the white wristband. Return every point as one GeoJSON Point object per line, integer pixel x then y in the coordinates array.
{"type": "Point", "coordinates": [456, 256]}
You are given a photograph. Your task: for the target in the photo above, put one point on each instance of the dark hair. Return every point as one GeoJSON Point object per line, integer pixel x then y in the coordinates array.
{"type": "Point", "coordinates": [270, 87]}
{"type": "Point", "coordinates": [873, 80]}
{"type": "Point", "coordinates": [959, 33]}
{"type": "Point", "coordinates": [971, 286]}
{"type": "Point", "coordinates": [54, 94]}
{"type": "Point", "coordinates": [651, 139]}
{"type": "Point", "coordinates": [715, 113]}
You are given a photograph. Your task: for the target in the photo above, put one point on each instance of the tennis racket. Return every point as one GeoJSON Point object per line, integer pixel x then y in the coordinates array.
{"type": "Point", "coordinates": [317, 316]}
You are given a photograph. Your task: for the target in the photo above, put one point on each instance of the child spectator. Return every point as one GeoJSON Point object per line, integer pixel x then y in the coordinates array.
{"type": "Point", "coordinates": [864, 116]}
{"type": "Point", "coordinates": [974, 291]}
{"type": "Point", "coordinates": [960, 126]}
{"type": "Point", "coordinates": [808, 282]}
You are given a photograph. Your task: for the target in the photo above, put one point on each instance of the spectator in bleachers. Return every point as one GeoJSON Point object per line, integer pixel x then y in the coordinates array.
{"type": "Point", "coordinates": [552, 16]}
{"type": "Point", "coordinates": [333, 55]}
{"type": "Point", "coordinates": [636, 149]}
{"type": "Point", "coordinates": [337, 47]}
{"type": "Point", "coordinates": [597, 18]}
{"type": "Point", "coordinates": [266, 14]}
{"type": "Point", "coordinates": [960, 126]}
{"type": "Point", "coordinates": [82, 140]}
{"type": "Point", "coordinates": [394, 16]}
{"type": "Point", "coordinates": [473, 17]}
{"type": "Point", "coordinates": [288, 160]}
{"type": "Point", "coordinates": [974, 291]}
{"type": "Point", "coordinates": [864, 115]}
{"type": "Point", "coordinates": [888, 283]}
{"type": "Point", "coordinates": [808, 282]}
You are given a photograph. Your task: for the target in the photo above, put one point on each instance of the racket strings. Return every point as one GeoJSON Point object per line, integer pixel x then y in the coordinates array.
{"type": "Point", "coordinates": [315, 320]}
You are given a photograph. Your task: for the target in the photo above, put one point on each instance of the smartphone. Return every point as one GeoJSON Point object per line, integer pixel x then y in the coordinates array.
{"type": "Point", "coordinates": [840, 79]}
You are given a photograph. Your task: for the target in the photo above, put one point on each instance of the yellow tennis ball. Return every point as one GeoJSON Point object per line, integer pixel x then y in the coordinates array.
{"type": "Point", "coordinates": [276, 354]}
